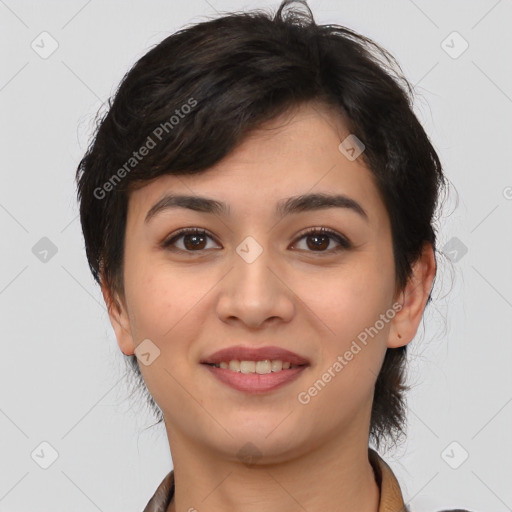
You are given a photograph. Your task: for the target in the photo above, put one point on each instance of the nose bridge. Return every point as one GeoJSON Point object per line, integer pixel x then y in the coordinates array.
{"type": "Point", "coordinates": [251, 268]}
{"type": "Point", "coordinates": [253, 293]}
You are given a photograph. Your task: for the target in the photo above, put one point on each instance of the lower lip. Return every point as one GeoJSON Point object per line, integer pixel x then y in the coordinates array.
{"type": "Point", "coordinates": [255, 382]}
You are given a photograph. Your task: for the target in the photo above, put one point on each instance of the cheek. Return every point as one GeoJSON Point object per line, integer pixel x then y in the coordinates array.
{"type": "Point", "coordinates": [349, 299]}
{"type": "Point", "coordinates": [165, 304]}
{"type": "Point", "coordinates": [353, 346]}
{"type": "Point", "coordinates": [156, 305]}
{"type": "Point", "coordinates": [161, 301]}
{"type": "Point", "coordinates": [351, 304]}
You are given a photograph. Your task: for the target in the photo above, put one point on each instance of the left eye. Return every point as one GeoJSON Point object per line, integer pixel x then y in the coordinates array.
{"type": "Point", "coordinates": [320, 235]}
{"type": "Point", "coordinates": [193, 240]}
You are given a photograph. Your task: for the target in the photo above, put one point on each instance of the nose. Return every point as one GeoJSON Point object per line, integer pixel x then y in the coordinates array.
{"type": "Point", "coordinates": [255, 291]}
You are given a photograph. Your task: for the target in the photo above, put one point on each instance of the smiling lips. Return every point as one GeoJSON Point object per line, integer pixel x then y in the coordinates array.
{"type": "Point", "coordinates": [241, 353]}
{"type": "Point", "coordinates": [255, 370]}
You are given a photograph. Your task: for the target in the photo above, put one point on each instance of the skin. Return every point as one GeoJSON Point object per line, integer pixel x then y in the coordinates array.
{"type": "Point", "coordinates": [311, 301]}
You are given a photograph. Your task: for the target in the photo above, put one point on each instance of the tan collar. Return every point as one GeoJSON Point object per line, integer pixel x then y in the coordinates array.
{"type": "Point", "coordinates": [390, 494]}
{"type": "Point", "coordinates": [391, 499]}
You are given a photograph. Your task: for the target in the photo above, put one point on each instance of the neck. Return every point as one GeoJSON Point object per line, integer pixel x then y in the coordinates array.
{"type": "Point", "coordinates": [335, 476]}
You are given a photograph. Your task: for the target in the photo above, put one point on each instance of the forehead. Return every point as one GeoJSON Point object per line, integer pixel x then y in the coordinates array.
{"type": "Point", "coordinates": [295, 154]}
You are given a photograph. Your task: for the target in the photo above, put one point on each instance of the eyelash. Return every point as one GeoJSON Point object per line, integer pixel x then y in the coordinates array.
{"type": "Point", "coordinates": [343, 241]}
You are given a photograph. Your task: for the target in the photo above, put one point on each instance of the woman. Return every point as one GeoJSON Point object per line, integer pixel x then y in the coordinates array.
{"type": "Point", "coordinates": [257, 206]}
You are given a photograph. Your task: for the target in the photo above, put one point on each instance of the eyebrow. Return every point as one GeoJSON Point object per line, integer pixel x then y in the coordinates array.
{"type": "Point", "coordinates": [296, 204]}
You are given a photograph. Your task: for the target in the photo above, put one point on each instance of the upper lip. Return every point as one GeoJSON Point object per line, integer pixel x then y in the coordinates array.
{"type": "Point", "coordinates": [244, 353]}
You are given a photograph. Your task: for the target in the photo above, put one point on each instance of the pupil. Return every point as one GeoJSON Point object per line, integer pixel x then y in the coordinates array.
{"type": "Point", "coordinates": [316, 244]}
{"type": "Point", "coordinates": [194, 244]}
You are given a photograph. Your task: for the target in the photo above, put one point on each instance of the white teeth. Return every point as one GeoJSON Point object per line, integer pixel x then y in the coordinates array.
{"type": "Point", "coordinates": [247, 366]}
{"type": "Point", "coordinates": [234, 365]}
{"type": "Point", "coordinates": [263, 367]}
{"type": "Point", "coordinates": [260, 367]}
{"type": "Point", "coordinates": [276, 366]}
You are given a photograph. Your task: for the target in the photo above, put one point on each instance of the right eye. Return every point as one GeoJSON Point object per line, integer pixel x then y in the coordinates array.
{"type": "Point", "coordinates": [193, 240]}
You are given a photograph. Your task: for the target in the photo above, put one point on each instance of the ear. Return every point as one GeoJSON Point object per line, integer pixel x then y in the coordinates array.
{"type": "Point", "coordinates": [118, 314]}
{"type": "Point", "coordinates": [413, 299]}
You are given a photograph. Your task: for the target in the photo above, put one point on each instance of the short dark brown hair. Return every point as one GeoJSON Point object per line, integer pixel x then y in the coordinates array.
{"type": "Point", "coordinates": [204, 88]}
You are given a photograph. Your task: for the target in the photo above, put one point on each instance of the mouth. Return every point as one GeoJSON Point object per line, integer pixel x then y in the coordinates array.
{"type": "Point", "coordinates": [259, 360]}
{"type": "Point", "coordinates": [255, 370]}
{"type": "Point", "coordinates": [261, 367]}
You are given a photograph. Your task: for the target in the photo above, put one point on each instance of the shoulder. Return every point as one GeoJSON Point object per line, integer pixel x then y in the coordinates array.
{"type": "Point", "coordinates": [160, 500]}
{"type": "Point", "coordinates": [391, 498]}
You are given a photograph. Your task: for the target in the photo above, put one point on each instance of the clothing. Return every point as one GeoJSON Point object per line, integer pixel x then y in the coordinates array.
{"type": "Point", "coordinates": [391, 499]}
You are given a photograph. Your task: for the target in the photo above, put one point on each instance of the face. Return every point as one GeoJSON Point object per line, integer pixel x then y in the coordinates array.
{"type": "Point", "coordinates": [257, 279]}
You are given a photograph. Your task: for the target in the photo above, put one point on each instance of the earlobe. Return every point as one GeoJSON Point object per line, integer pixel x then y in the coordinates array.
{"type": "Point", "coordinates": [413, 299]}
{"type": "Point", "coordinates": [119, 319]}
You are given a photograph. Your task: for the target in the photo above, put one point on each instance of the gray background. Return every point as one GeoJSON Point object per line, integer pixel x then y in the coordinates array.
{"type": "Point", "coordinates": [61, 373]}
